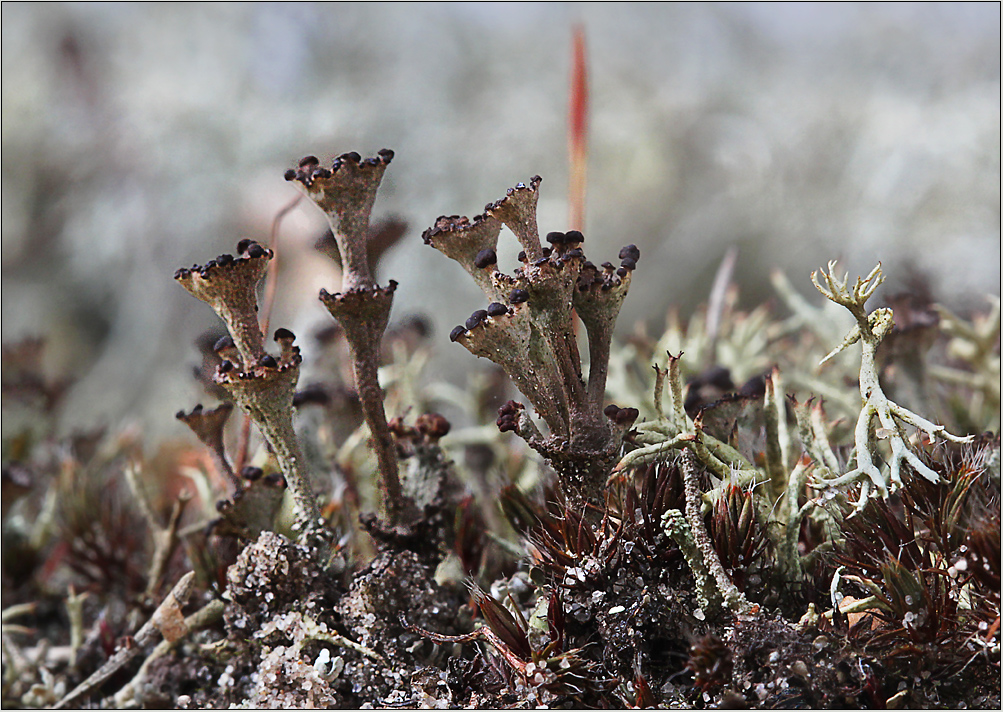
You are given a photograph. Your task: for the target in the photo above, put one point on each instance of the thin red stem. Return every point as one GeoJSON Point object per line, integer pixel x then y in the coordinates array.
{"type": "Point", "coordinates": [578, 120]}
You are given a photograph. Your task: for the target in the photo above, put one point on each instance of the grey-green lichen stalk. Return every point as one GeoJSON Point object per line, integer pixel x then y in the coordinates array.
{"type": "Point", "coordinates": [675, 431]}
{"type": "Point", "coordinates": [345, 193]}
{"type": "Point", "coordinates": [261, 384]}
{"type": "Point", "coordinates": [869, 330]}
{"type": "Point", "coordinates": [713, 582]}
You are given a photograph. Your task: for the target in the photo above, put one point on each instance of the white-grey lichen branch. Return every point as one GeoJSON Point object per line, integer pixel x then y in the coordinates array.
{"type": "Point", "coordinates": [869, 330]}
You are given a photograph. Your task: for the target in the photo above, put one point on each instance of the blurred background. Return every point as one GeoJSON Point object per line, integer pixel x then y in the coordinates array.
{"type": "Point", "coordinates": [141, 138]}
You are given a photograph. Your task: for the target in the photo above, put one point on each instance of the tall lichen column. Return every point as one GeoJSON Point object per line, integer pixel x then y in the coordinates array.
{"type": "Point", "coordinates": [345, 193]}
{"type": "Point", "coordinates": [262, 385]}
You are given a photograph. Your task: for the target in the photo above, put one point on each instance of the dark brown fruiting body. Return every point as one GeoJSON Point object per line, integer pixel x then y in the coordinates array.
{"type": "Point", "coordinates": [630, 252]}
{"type": "Point", "coordinates": [251, 473]}
{"type": "Point", "coordinates": [475, 319]}
{"type": "Point", "coordinates": [508, 416]}
{"type": "Point", "coordinates": [432, 425]}
{"type": "Point", "coordinates": [485, 258]}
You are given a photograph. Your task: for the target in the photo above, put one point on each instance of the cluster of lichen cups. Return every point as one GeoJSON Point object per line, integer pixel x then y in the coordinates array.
{"type": "Point", "coordinates": [528, 329]}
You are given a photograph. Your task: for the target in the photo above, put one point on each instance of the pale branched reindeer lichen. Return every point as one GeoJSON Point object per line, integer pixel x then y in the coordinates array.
{"type": "Point", "coordinates": [869, 330]}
